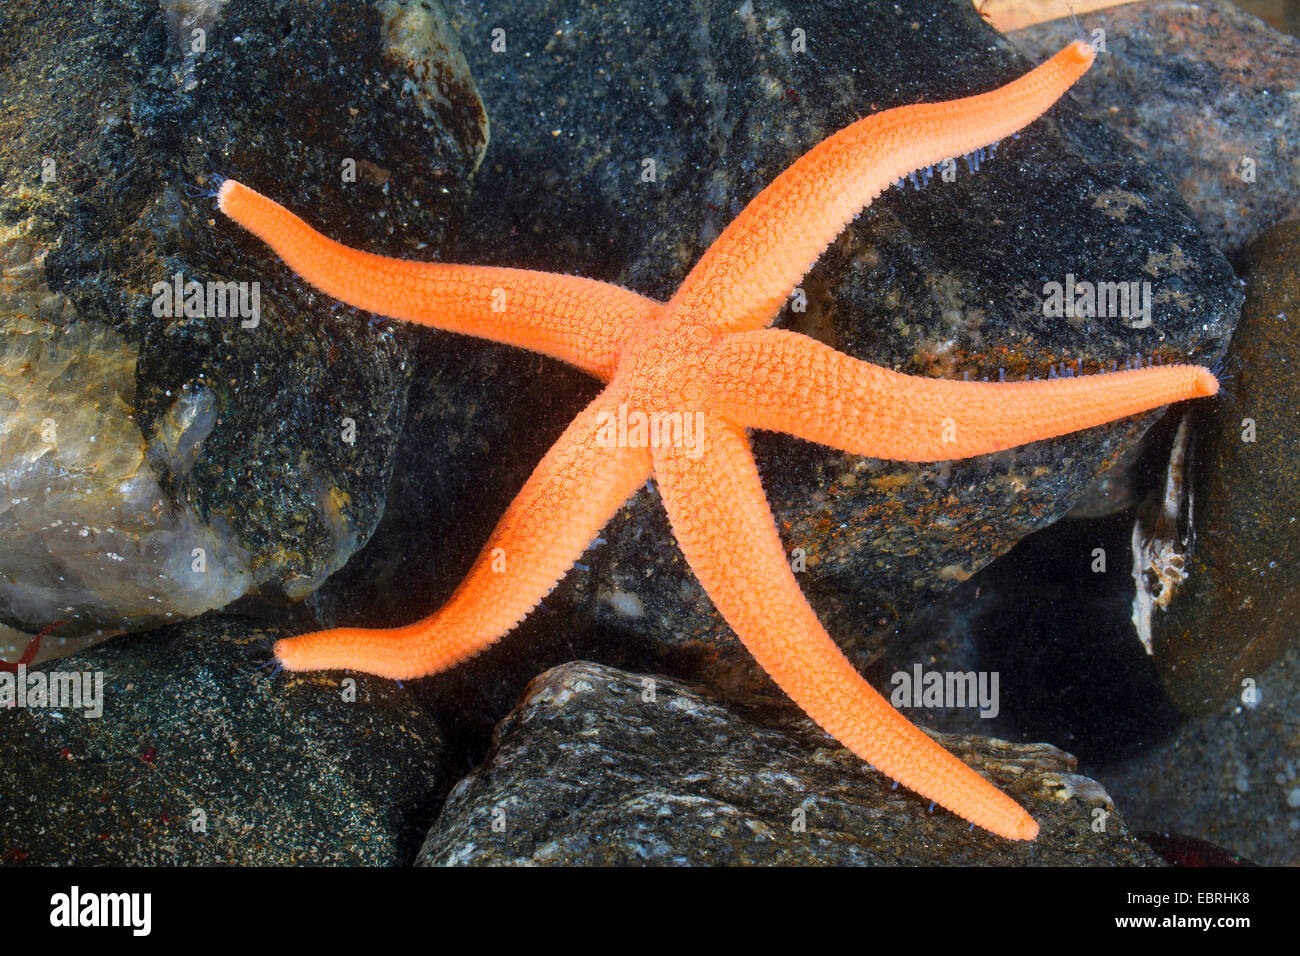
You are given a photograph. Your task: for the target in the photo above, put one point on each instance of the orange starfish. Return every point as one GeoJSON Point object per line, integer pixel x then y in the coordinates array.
{"type": "Point", "coordinates": [685, 380]}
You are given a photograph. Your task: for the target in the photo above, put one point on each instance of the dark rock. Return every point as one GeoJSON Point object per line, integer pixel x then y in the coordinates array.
{"type": "Point", "coordinates": [281, 770]}
{"type": "Point", "coordinates": [599, 766]}
{"type": "Point", "coordinates": [947, 280]}
{"type": "Point", "coordinates": [112, 117]}
{"type": "Point", "coordinates": [1197, 88]}
{"type": "Point", "coordinates": [1053, 619]}
{"type": "Point", "coordinates": [1231, 777]}
{"type": "Point", "coordinates": [1116, 490]}
{"type": "Point", "coordinates": [1179, 850]}
{"type": "Point", "coordinates": [1239, 605]}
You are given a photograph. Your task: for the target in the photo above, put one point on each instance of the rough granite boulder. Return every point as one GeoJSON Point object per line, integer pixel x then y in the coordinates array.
{"type": "Point", "coordinates": [598, 766]}
{"type": "Point", "coordinates": [1207, 93]}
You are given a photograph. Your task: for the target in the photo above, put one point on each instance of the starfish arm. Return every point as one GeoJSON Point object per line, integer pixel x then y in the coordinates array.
{"type": "Point", "coordinates": [721, 520]}
{"type": "Point", "coordinates": [749, 272]}
{"type": "Point", "coordinates": [787, 382]}
{"type": "Point", "coordinates": [578, 486]}
{"type": "Point", "coordinates": [580, 321]}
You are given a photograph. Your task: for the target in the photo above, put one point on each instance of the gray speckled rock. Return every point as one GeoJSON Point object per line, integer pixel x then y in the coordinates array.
{"type": "Point", "coordinates": [600, 766]}
{"type": "Point", "coordinates": [942, 281]}
{"type": "Point", "coordinates": [282, 770]}
{"type": "Point", "coordinates": [1198, 88]}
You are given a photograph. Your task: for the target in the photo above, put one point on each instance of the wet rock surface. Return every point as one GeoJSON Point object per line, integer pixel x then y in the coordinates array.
{"type": "Point", "coordinates": [1239, 606]}
{"type": "Point", "coordinates": [195, 733]}
{"type": "Point", "coordinates": [600, 766]}
{"type": "Point", "coordinates": [943, 281]}
{"type": "Point", "coordinates": [84, 541]}
{"type": "Point", "coordinates": [1231, 776]}
{"type": "Point", "coordinates": [1207, 93]}
{"type": "Point", "coordinates": [113, 117]}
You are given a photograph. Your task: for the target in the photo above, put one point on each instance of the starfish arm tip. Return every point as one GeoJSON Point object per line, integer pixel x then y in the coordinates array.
{"type": "Point", "coordinates": [1003, 817]}
{"type": "Point", "coordinates": [287, 652]}
{"type": "Point", "coordinates": [1081, 52]}
{"type": "Point", "coordinates": [225, 193]}
{"type": "Point", "coordinates": [1025, 828]}
{"type": "Point", "coordinates": [371, 651]}
{"type": "Point", "coordinates": [1206, 383]}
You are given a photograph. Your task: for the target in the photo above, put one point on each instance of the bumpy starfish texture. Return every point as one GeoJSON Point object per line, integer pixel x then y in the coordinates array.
{"type": "Point", "coordinates": [708, 353]}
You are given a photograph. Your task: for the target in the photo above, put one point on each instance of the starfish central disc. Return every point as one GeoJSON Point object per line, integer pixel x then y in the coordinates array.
{"type": "Point", "coordinates": [663, 368]}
